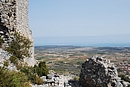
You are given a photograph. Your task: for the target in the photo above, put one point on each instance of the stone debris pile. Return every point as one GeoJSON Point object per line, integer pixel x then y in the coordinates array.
{"type": "Point", "coordinates": [99, 72]}
{"type": "Point", "coordinates": [54, 80]}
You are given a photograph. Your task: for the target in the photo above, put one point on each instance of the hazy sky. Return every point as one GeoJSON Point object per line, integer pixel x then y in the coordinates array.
{"type": "Point", "coordinates": [79, 17]}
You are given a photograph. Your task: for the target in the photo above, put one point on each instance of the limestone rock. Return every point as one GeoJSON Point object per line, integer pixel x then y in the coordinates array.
{"type": "Point", "coordinates": [99, 72]}
{"type": "Point", "coordinates": [4, 57]}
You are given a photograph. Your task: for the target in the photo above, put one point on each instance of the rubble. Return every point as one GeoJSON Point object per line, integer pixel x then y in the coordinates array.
{"type": "Point", "coordinates": [99, 72]}
{"type": "Point", "coordinates": [54, 80]}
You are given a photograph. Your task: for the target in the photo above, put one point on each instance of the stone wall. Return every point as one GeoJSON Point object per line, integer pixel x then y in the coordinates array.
{"type": "Point", "coordinates": [14, 17]}
{"type": "Point", "coordinates": [7, 19]}
{"type": "Point", "coordinates": [22, 18]}
{"type": "Point", "coordinates": [99, 72]}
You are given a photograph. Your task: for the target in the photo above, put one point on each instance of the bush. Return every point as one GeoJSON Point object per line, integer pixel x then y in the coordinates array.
{"type": "Point", "coordinates": [12, 78]}
{"type": "Point", "coordinates": [13, 59]}
{"type": "Point", "coordinates": [38, 80]}
{"type": "Point", "coordinates": [76, 78]}
{"type": "Point", "coordinates": [22, 78]}
{"type": "Point", "coordinates": [41, 69]}
{"type": "Point", "coordinates": [125, 78]}
{"type": "Point", "coordinates": [27, 84]}
{"type": "Point", "coordinates": [19, 46]}
{"type": "Point", "coordinates": [34, 73]}
{"type": "Point", "coordinates": [1, 42]}
{"type": "Point", "coordinates": [6, 63]}
{"type": "Point", "coordinates": [32, 76]}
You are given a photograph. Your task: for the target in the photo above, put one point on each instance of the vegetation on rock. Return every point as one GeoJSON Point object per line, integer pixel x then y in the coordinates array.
{"type": "Point", "coordinates": [1, 42]}
{"type": "Point", "coordinates": [34, 73]}
{"type": "Point", "coordinates": [125, 78]}
{"type": "Point", "coordinates": [6, 63]}
{"type": "Point", "coordinates": [19, 48]}
{"type": "Point", "coordinates": [23, 77]}
{"type": "Point", "coordinates": [12, 78]}
{"type": "Point", "coordinates": [41, 69]}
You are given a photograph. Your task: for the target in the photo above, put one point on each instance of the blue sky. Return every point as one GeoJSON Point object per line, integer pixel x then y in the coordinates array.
{"type": "Point", "coordinates": [65, 18]}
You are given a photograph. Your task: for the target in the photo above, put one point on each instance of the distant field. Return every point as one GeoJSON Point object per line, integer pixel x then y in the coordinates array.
{"type": "Point", "coordinates": [68, 59]}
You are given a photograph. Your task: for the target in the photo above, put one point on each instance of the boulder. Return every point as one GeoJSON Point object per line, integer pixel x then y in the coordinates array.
{"type": "Point", "coordinates": [99, 72]}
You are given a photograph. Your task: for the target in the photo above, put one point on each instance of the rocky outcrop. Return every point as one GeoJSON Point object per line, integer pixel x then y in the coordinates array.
{"type": "Point", "coordinates": [99, 72]}
{"type": "Point", "coordinates": [14, 18]}
{"type": "Point", "coordinates": [4, 58]}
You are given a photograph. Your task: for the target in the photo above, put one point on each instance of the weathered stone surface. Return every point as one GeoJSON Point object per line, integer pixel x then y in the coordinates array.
{"type": "Point", "coordinates": [4, 57]}
{"type": "Point", "coordinates": [99, 72]}
{"type": "Point", "coordinates": [14, 17]}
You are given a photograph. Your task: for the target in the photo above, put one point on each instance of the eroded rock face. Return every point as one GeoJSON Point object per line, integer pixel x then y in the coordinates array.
{"type": "Point", "coordinates": [14, 17]}
{"type": "Point", "coordinates": [99, 72]}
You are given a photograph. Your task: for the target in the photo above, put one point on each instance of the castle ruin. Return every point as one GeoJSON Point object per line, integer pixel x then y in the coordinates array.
{"type": "Point", "coordinates": [99, 72]}
{"type": "Point", "coordinates": [14, 17]}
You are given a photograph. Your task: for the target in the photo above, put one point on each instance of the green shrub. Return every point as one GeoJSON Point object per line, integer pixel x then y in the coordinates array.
{"type": "Point", "coordinates": [38, 80]}
{"type": "Point", "coordinates": [22, 78]}
{"type": "Point", "coordinates": [32, 76]}
{"type": "Point", "coordinates": [1, 42]}
{"type": "Point", "coordinates": [19, 65]}
{"type": "Point", "coordinates": [76, 78]}
{"type": "Point", "coordinates": [29, 71]}
{"type": "Point", "coordinates": [12, 78]}
{"type": "Point", "coordinates": [125, 78]}
{"type": "Point", "coordinates": [41, 69]}
{"type": "Point", "coordinates": [13, 59]}
{"type": "Point", "coordinates": [27, 84]}
{"type": "Point", "coordinates": [19, 49]}
{"type": "Point", "coordinates": [19, 46]}
{"type": "Point", "coordinates": [6, 63]}
{"type": "Point", "coordinates": [34, 73]}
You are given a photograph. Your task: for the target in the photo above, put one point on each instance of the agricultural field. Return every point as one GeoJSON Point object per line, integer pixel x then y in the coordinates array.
{"type": "Point", "coordinates": [68, 59]}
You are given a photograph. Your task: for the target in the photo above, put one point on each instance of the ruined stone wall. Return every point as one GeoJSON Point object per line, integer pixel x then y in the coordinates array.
{"type": "Point", "coordinates": [22, 17]}
{"type": "Point", "coordinates": [22, 20]}
{"type": "Point", "coordinates": [14, 17]}
{"type": "Point", "coordinates": [99, 72]}
{"type": "Point", "coordinates": [7, 18]}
